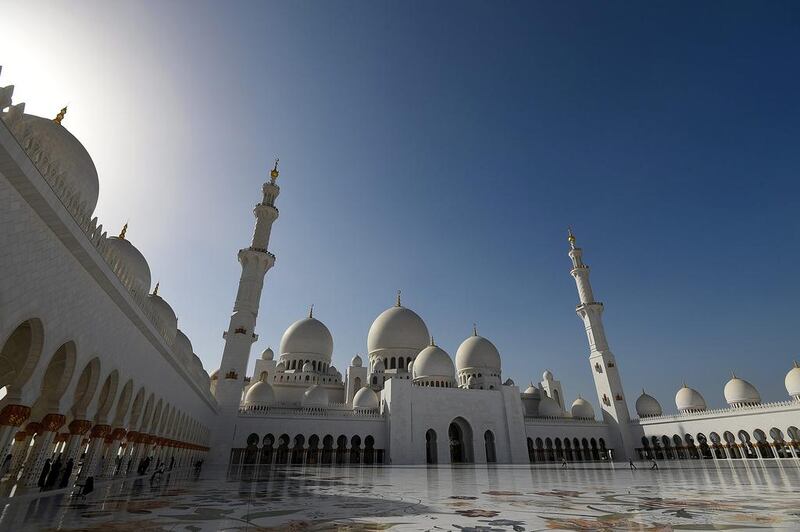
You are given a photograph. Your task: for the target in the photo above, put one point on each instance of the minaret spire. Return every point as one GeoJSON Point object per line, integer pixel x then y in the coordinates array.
{"type": "Point", "coordinates": [607, 380]}
{"type": "Point", "coordinates": [60, 116]}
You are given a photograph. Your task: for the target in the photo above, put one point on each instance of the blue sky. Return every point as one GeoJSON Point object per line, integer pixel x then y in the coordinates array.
{"type": "Point", "coordinates": [442, 149]}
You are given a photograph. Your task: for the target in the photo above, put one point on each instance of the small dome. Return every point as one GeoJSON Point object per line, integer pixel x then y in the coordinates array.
{"type": "Point", "coordinates": [356, 361]}
{"type": "Point", "coordinates": [72, 160]}
{"type": "Point", "coordinates": [509, 382]}
{"type": "Point", "coordinates": [308, 336]}
{"type": "Point", "coordinates": [792, 381]}
{"type": "Point", "coordinates": [260, 393]}
{"type": "Point", "coordinates": [133, 262]}
{"type": "Point", "coordinates": [307, 367]}
{"type": "Point", "coordinates": [281, 366]}
{"type": "Point", "coordinates": [397, 328]}
{"type": "Point", "coordinates": [582, 409]}
{"type": "Point", "coordinates": [689, 400]}
{"type": "Point", "coordinates": [532, 391]}
{"type": "Point", "coordinates": [267, 354]}
{"type": "Point", "coordinates": [739, 392]}
{"type": "Point", "coordinates": [332, 370]}
{"type": "Point", "coordinates": [548, 407]}
{"type": "Point", "coordinates": [648, 406]}
{"type": "Point", "coordinates": [410, 367]}
{"type": "Point", "coordinates": [166, 316]}
{"type": "Point", "coordinates": [182, 346]}
{"type": "Point", "coordinates": [315, 396]}
{"type": "Point", "coordinates": [477, 352]}
{"type": "Point", "coordinates": [365, 398]}
{"type": "Point", "coordinates": [433, 361]}
{"type": "Point", "coordinates": [547, 375]}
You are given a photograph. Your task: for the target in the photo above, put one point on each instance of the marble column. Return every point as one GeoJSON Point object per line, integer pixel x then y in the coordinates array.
{"type": "Point", "coordinates": [96, 443]}
{"type": "Point", "coordinates": [42, 448]}
{"type": "Point", "coordinates": [127, 456]}
{"type": "Point", "coordinates": [137, 439]}
{"type": "Point", "coordinates": [11, 417]}
{"type": "Point", "coordinates": [77, 428]}
{"type": "Point", "coordinates": [19, 451]}
{"type": "Point", "coordinates": [114, 441]}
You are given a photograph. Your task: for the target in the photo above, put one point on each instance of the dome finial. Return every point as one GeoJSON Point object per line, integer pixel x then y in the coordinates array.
{"type": "Point", "coordinates": [60, 116]}
{"type": "Point", "coordinates": [733, 374]}
{"type": "Point", "coordinates": [433, 342]}
{"type": "Point", "coordinates": [398, 298]}
{"type": "Point", "coordinates": [311, 311]}
{"type": "Point", "coordinates": [124, 230]}
{"type": "Point", "coordinates": [474, 329]}
{"type": "Point", "coordinates": [795, 364]}
{"type": "Point", "coordinates": [274, 173]}
{"type": "Point", "coordinates": [155, 290]}
{"type": "Point", "coordinates": [570, 237]}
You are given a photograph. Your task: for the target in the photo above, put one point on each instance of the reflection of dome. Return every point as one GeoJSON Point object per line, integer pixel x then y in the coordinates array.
{"type": "Point", "coordinates": [260, 393]}
{"type": "Point", "coordinates": [548, 407]}
{"type": "Point", "coordinates": [356, 361]}
{"type": "Point", "coordinates": [792, 381]}
{"type": "Point", "coordinates": [365, 398]}
{"type": "Point", "coordinates": [315, 396]}
{"type": "Point", "coordinates": [267, 354]}
{"type": "Point", "coordinates": [133, 262]}
{"type": "Point", "coordinates": [433, 361]}
{"type": "Point", "coordinates": [739, 392]}
{"type": "Point", "coordinates": [477, 352]}
{"type": "Point", "coordinates": [182, 347]}
{"type": "Point", "coordinates": [648, 406]}
{"type": "Point", "coordinates": [397, 328]}
{"type": "Point", "coordinates": [72, 161]}
{"type": "Point", "coordinates": [166, 316]}
{"type": "Point", "coordinates": [582, 409]}
{"type": "Point", "coordinates": [308, 336]}
{"type": "Point", "coordinates": [689, 400]}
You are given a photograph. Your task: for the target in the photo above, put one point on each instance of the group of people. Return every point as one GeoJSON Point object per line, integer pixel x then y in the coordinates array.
{"type": "Point", "coordinates": [55, 474]}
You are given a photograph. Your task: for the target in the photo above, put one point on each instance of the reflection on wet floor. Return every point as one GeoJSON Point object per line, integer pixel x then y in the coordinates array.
{"type": "Point", "coordinates": [598, 497]}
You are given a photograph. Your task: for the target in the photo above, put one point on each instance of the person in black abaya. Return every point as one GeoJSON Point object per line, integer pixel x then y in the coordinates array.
{"type": "Point", "coordinates": [43, 475]}
{"type": "Point", "coordinates": [67, 473]}
{"type": "Point", "coordinates": [52, 477]}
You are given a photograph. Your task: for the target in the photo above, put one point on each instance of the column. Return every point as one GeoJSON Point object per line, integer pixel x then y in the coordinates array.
{"type": "Point", "coordinates": [11, 417]}
{"type": "Point", "coordinates": [130, 446]}
{"type": "Point", "coordinates": [114, 441]}
{"type": "Point", "coordinates": [19, 451]}
{"type": "Point", "coordinates": [96, 444]}
{"type": "Point", "coordinates": [42, 448]}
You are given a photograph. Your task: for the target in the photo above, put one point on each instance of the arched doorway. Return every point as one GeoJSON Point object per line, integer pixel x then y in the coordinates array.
{"type": "Point", "coordinates": [460, 435]}
{"type": "Point", "coordinates": [431, 455]}
{"type": "Point", "coordinates": [488, 440]}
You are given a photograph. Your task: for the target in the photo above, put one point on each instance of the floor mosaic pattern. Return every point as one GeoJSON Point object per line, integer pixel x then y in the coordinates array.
{"type": "Point", "coordinates": [502, 498]}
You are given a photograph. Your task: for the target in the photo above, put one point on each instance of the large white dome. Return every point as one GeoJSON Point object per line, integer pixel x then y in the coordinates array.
{"type": "Point", "coordinates": [648, 406]}
{"type": "Point", "coordinates": [365, 398]}
{"type": "Point", "coordinates": [739, 392]}
{"type": "Point", "coordinates": [315, 396]}
{"type": "Point", "coordinates": [792, 381]}
{"type": "Point", "coordinates": [166, 317]}
{"type": "Point", "coordinates": [689, 400]}
{"type": "Point", "coordinates": [260, 393]}
{"type": "Point", "coordinates": [133, 262]}
{"type": "Point", "coordinates": [308, 336]}
{"type": "Point", "coordinates": [71, 159]}
{"type": "Point", "coordinates": [433, 361]}
{"type": "Point", "coordinates": [397, 328]}
{"type": "Point", "coordinates": [582, 409]}
{"type": "Point", "coordinates": [477, 352]}
{"type": "Point", "coordinates": [548, 407]}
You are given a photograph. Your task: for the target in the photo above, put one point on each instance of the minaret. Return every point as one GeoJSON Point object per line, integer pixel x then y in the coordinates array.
{"type": "Point", "coordinates": [255, 261]}
{"type": "Point", "coordinates": [607, 381]}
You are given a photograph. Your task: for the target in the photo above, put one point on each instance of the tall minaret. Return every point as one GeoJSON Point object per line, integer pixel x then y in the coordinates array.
{"type": "Point", "coordinates": [607, 381]}
{"type": "Point", "coordinates": [255, 261]}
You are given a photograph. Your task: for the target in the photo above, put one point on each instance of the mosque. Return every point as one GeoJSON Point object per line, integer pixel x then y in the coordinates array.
{"type": "Point", "coordinates": [94, 364]}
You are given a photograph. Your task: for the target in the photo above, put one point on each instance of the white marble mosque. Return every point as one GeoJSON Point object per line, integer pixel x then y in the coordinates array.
{"type": "Point", "coordinates": [94, 367]}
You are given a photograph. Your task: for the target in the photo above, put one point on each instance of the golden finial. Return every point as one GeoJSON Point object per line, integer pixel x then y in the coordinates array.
{"type": "Point", "coordinates": [474, 329]}
{"type": "Point", "coordinates": [311, 311]}
{"type": "Point", "coordinates": [274, 172]}
{"type": "Point", "coordinates": [124, 230]}
{"type": "Point", "coordinates": [155, 290]}
{"type": "Point", "coordinates": [570, 236]}
{"type": "Point", "coordinates": [398, 298]}
{"type": "Point", "coordinates": [60, 116]}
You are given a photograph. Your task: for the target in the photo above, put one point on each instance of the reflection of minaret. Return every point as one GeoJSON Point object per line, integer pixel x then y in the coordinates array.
{"type": "Point", "coordinates": [255, 261]}
{"type": "Point", "coordinates": [604, 368]}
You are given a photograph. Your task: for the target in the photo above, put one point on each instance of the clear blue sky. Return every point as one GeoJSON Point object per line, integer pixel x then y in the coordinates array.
{"type": "Point", "coordinates": [443, 148]}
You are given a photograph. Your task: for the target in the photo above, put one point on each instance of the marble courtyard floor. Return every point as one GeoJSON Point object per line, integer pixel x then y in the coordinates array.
{"type": "Point", "coordinates": [681, 496]}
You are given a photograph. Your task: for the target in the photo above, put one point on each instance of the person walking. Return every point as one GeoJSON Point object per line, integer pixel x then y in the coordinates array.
{"type": "Point", "coordinates": [67, 473]}
{"type": "Point", "coordinates": [631, 464]}
{"type": "Point", "coordinates": [653, 463]}
{"type": "Point", "coordinates": [171, 463]}
{"type": "Point", "coordinates": [158, 473]}
{"type": "Point", "coordinates": [563, 463]}
{"type": "Point", "coordinates": [52, 477]}
{"type": "Point", "coordinates": [43, 475]}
